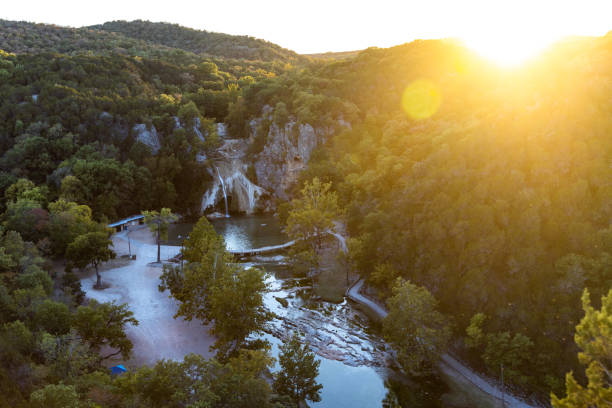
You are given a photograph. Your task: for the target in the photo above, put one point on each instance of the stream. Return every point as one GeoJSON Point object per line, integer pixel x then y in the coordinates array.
{"type": "Point", "coordinates": [354, 370]}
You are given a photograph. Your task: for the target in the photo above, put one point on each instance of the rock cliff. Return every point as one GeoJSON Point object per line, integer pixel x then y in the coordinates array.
{"type": "Point", "coordinates": [264, 167]}
{"type": "Point", "coordinates": [286, 152]}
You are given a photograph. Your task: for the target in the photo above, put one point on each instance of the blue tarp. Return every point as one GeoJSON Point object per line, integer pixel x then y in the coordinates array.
{"type": "Point", "coordinates": [118, 369]}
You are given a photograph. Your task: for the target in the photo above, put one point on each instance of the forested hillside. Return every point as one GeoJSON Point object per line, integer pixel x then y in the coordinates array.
{"type": "Point", "coordinates": [200, 41]}
{"type": "Point", "coordinates": [21, 37]}
{"type": "Point", "coordinates": [98, 119]}
{"type": "Point", "coordinates": [95, 126]}
{"type": "Point", "coordinates": [491, 188]}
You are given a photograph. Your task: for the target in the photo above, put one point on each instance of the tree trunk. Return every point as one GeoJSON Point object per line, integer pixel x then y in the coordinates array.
{"type": "Point", "coordinates": [158, 245]}
{"type": "Point", "coordinates": [98, 279]}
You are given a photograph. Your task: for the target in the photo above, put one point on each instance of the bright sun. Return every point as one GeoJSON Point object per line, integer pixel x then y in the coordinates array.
{"type": "Point", "coordinates": [512, 48]}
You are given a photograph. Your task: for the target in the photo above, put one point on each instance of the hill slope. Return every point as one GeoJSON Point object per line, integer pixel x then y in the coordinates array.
{"type": "Point", "coordinates": [21, 37]}
{"type": "Point", "coordinates": [201, 42]}
{"type": "Point", "coordinates": [138, 38]}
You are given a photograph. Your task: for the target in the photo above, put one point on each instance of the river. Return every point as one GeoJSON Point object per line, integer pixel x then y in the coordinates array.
{"type": "Point", "coordinates": [354, 360]}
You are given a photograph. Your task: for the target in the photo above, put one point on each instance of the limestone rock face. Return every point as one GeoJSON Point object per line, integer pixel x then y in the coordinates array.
{"type": "Point", "coordinates": [222, 129]}
{"type": "Point", "coordinates": [287, 151]}
{"type": "Point", "coordinates": [275, 169]}
{"type": "Point", "coordinates": [146, 136]}
{"type": "Point", "coordinates": [196, 127]}
{"type": "Point", "coordinates": [285, 155]}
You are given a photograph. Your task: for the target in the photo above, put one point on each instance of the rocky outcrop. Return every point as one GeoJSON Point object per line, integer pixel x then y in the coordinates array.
{"type": "Point", "coordinates": [146, 136]}
{"type": "Point", "coordinates": [286, 152]}
{"type": "Point", "coordinates": [221, 129]}
{"type": "Point", "coordinates": [284, 156]}
{"type": "Point", "coordinates": [196, 127]}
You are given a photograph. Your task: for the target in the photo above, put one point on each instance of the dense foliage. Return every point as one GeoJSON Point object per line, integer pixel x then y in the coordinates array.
{"type": "Point", "coordinates": [593, 338]}
{"type": "Point", "coordinates": [95, 126]}
{"type": "Point", "coordinates": [212, 288]}
{"type": "Point", "coordinates": [117, 133]}
{"type": "Point", "coordinates": [490, 188]}
{"type": "Point", "coordinates": [299, 369]}
{"type": "Point", "coordinates": [200, 41]}
{"type": "Point", "coordinates": [46, 335]}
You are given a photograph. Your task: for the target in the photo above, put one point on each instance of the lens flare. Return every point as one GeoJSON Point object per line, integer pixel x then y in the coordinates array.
{"type": "Point", "coordinates": [421, 99]}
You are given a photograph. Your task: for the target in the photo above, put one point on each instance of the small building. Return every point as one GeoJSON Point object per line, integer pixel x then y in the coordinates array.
{"type": "Point", "coordinates": [126, 222]}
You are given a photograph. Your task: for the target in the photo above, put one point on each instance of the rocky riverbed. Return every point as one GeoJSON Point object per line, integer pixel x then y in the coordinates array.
{"type": "Point", "coordinates": [334, 331]}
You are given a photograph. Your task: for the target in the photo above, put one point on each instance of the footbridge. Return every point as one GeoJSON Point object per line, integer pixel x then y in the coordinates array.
{"type": "Point", "coordinates": [242, 253]}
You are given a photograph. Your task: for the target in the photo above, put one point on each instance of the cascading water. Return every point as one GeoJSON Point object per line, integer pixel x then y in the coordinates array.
{"type": "Point", "coordinates": [224, 192]}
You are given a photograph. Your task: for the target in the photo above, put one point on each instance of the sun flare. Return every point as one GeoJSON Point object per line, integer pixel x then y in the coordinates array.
{"type": "Point", "coordinates": [510, 49]}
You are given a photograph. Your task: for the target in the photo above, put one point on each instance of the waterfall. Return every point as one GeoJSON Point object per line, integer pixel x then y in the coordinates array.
{"type": "Point", "coordinates": [224, 192]}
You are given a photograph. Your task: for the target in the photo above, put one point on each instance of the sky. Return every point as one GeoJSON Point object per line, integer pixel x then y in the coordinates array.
{"type": "Point", "coordinates": [336, 25]}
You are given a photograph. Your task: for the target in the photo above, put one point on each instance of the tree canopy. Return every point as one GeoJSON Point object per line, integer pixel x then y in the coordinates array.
{"type": "Point", "coordinates": [91, 248]}
{"type": "Point", "coordinates": [212, 288]}
{"type": "Point", "coordinates": [593, 335]}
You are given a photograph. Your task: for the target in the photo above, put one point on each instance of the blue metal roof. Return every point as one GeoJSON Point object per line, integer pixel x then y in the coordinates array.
{"type": "Point", "coordinates": [126, 220]}
{"type": "Point", "coordinates": [118, 369]}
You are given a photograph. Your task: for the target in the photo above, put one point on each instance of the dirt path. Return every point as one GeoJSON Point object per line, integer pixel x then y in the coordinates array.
{"type": "Point", "coordinates": [158, 335]}
{"type": "Point", "coordinates": [448, 364]}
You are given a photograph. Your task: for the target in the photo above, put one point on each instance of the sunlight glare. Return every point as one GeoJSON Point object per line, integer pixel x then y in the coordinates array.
{"type": "Point", "coordinates": [421, 99]}
{"type": "Point", "coordinates": [508, 50]}
{"type": "Point", "coordinates": [511, 35]}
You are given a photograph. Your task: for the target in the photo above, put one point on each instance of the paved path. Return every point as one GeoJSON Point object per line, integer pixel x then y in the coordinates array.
{"type": "Point", "coordinates": [159, 335]}
{"type": "Point", "coordinates": [448, 364]}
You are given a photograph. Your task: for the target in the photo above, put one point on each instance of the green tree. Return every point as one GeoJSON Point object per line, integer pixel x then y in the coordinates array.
{"type": "Point", "coordinates": [197, 382]}
{"type": "Point", "coordinates": [53, 317]}
{"type": "Point", "coordinates": [56, 396]}
{"type": "Point", "coordinates": [169, 384]}
{"type": "Point", "coordinates": [158, 222]}
{"type": "Point", "coordinates": [17, 343]}
{"type": "Point", "coordinates": [72, 189]}
{"type": "Point", "coordinates": [25, 189]}
{"type": "Point", "coordinates": [212, 288]}
{"type": "Point", "coordinates": [416, 330]}
{"type": "Point", "coordinates": [67, 356]}
{"type": "Point", "coordinates": [311, 217]}
{"type": "Point", "coordinates": [594, 338]}
{"type": "Point", "coordinates": [188, 114]}
{"type": "Point", "coordinates": [103, 324]}
{"type": "Point", "coordinates": [206, 258]}
{"type": "Point", "coordinates": [28, 218]}
{"type": "Point", "coordinates": [68, 220]}
{"type": "Point", "coordinates": [513, 352]}
{"type": "Point", "coordinates": [236, 308]}
{"type": "Point", "coordinates": [298, 373]}
{"type": "Point", "coordinates": [91, 249]}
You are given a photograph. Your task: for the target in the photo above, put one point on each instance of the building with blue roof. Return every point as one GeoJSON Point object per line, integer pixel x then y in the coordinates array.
{"type": "Point", "coordinates": [126, 222]}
